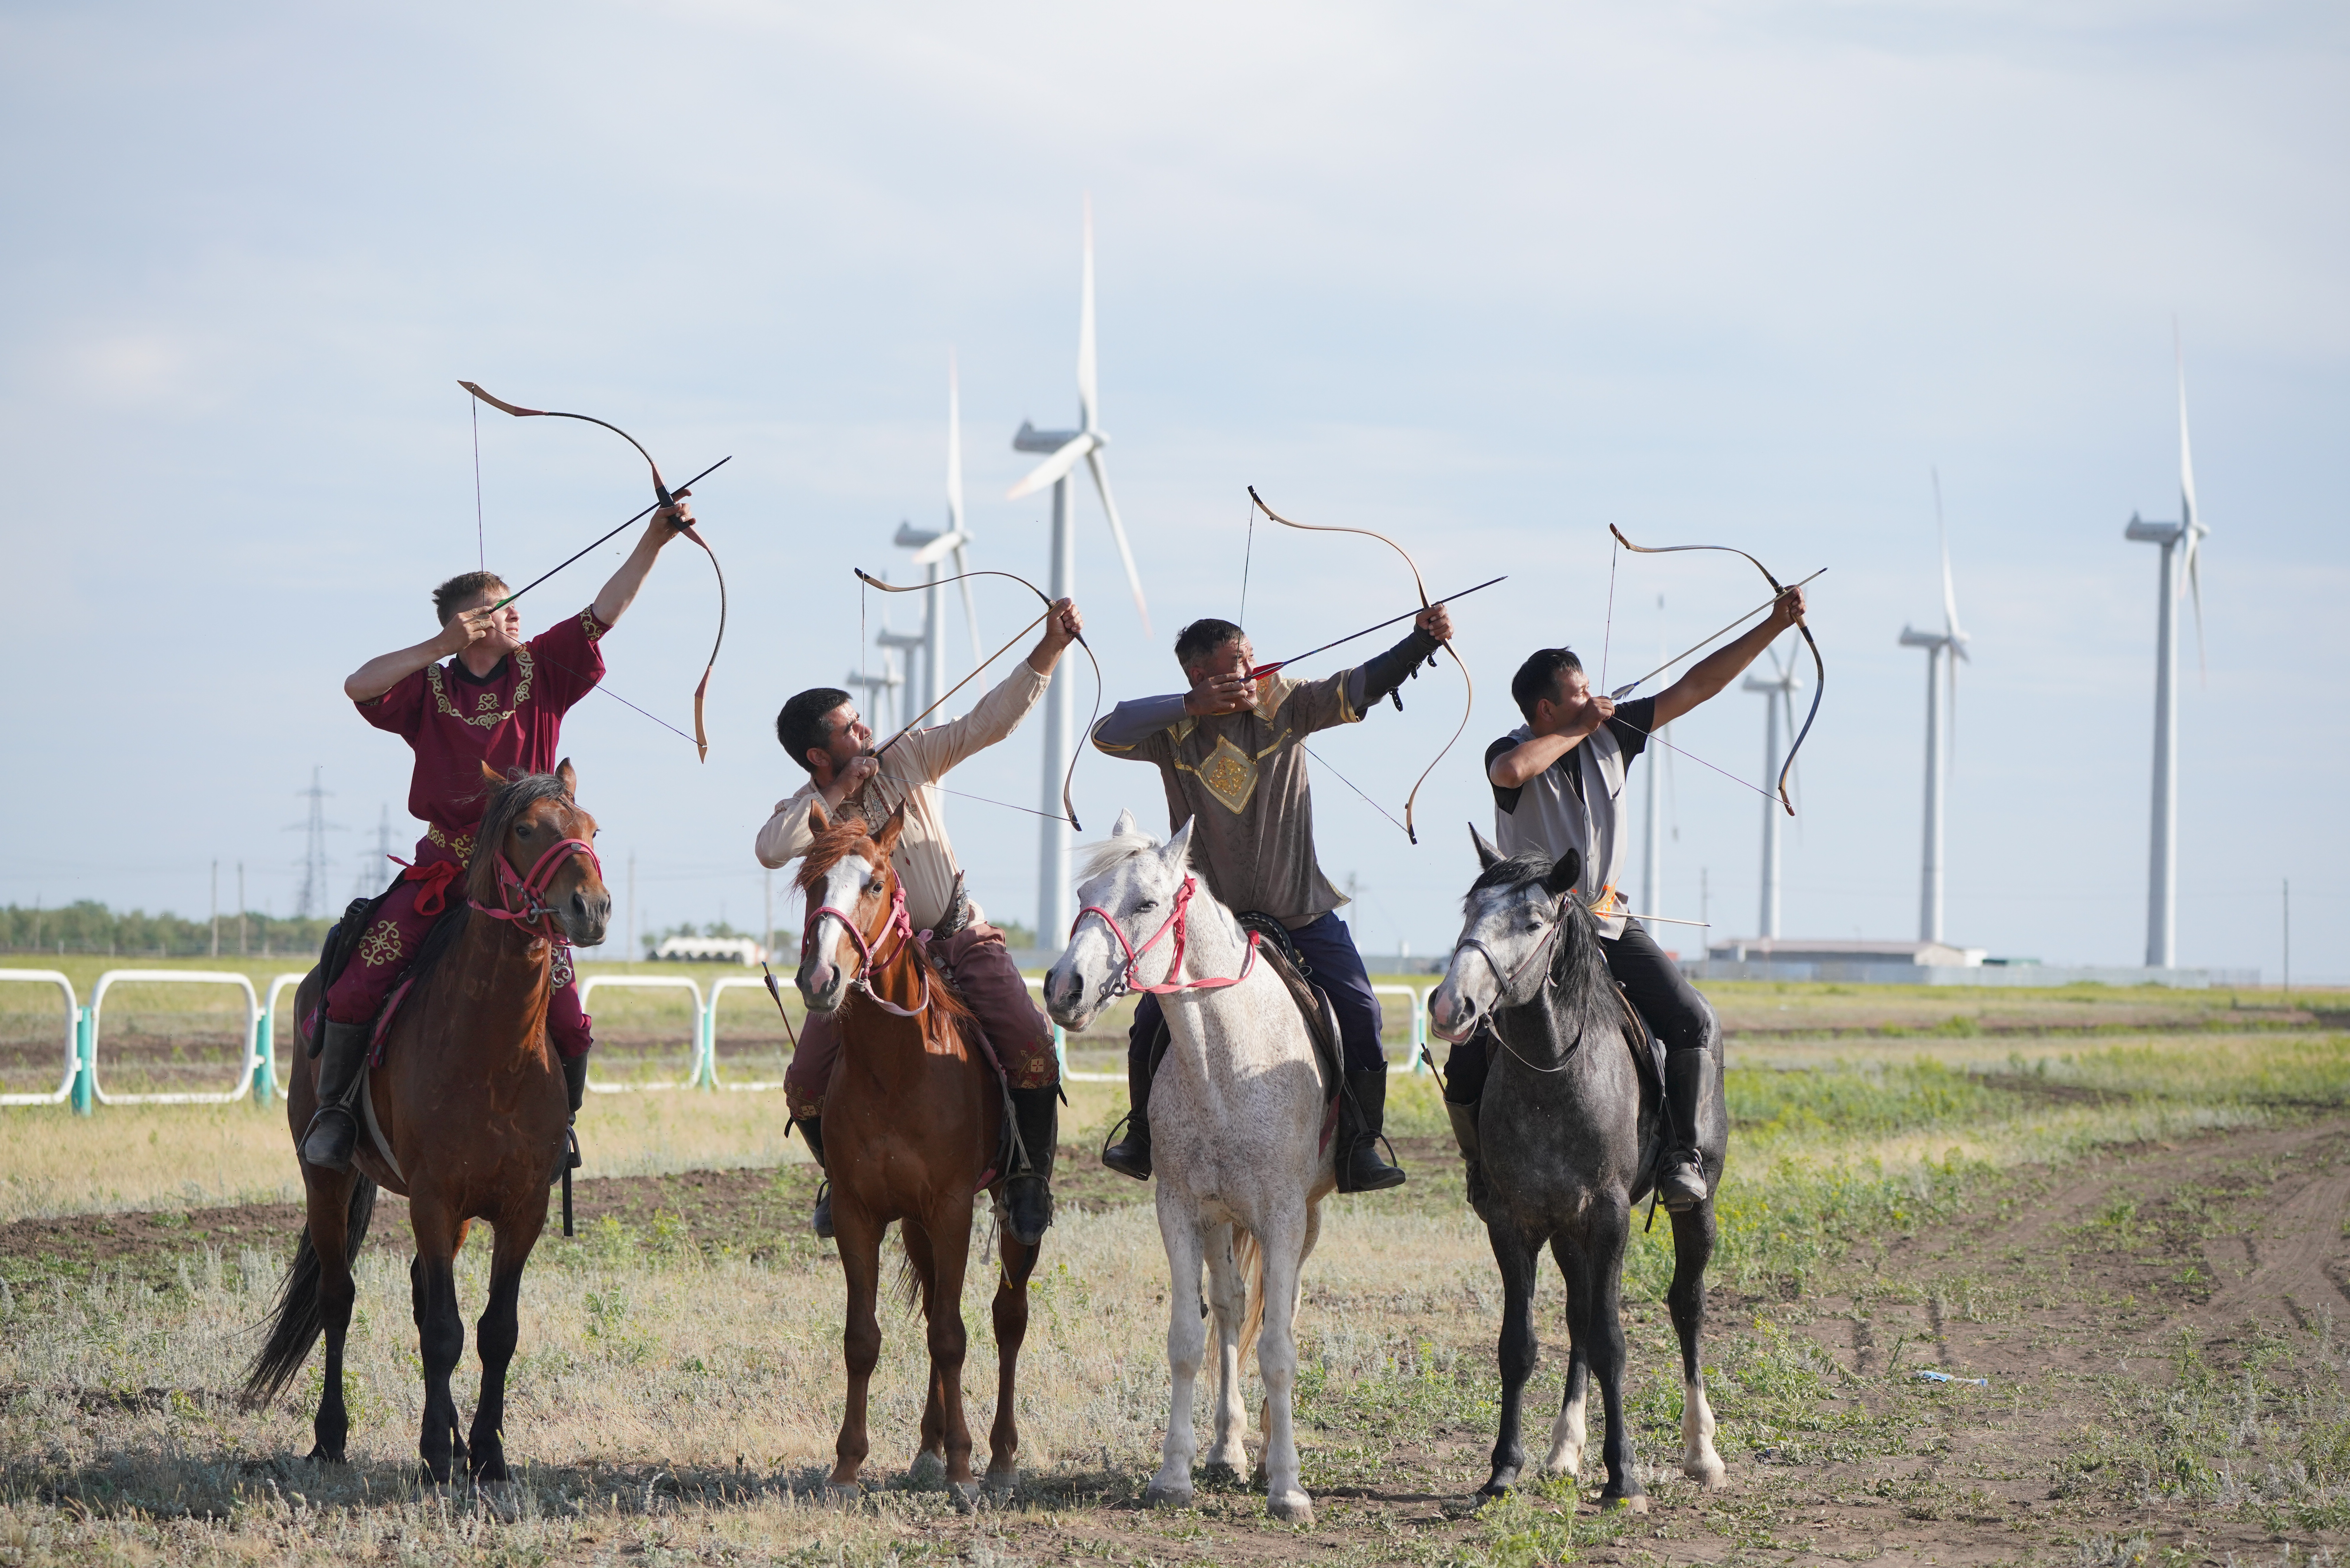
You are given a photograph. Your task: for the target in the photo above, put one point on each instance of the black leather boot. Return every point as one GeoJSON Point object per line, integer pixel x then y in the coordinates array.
{"type": "Point", "coordinates": [1362, 1112]}
{"type": "Point", "coordinates": [1680, 1182]}
{"type": "Point", "coordinates": [1131, 1155]}
{"type": "Point", "coordinates": [334, 1131]}
{"type": "Point", "coordinates": [812, 1129]}
{"type": "Point", "coordinates": [575, 1082]}
{"type": "Point", "coordinates": [1464, 1132]}
{"type": "Point", "coordinates": [1028, 1193]}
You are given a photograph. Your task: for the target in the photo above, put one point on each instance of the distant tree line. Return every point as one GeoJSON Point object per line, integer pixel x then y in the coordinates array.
{"type": "Point", "coordinates": [90, 927]}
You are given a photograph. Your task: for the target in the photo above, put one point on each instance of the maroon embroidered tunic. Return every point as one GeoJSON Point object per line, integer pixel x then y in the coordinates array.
{"type": "Point", "coordinates": [512, 717]}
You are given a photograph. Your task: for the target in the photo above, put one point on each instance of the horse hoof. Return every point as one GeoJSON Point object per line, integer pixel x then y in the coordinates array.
{"type": "Point", "coordinates": [964, 1495]}
{"type": "Point", "coordinates": [846, 1494]}
{"type": "Point", "coordinates": [1635, 1503]}
{"type": "Point", "coordinates": [1001, 1485]}
{"type": "Point", "coordinates": [927, 1470]}
{"type": "Point", "coordinates": [1218, 1474]}
{"type": "Point", "coordinates": [324, 1455]}
{"type": "Point", "coordinates": [1708, 1473]}
{"type": "Point", "coordinates": [1294, 1509]}
{"type": "Point", "coordinates": [1157, 1496]}
{"type": "Point", "coordinates": [489, 1471]}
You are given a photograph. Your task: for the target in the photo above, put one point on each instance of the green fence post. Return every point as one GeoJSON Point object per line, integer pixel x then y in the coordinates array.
{"type": "Point", "coordinates": [85, 1084]}
{"type": "Point", "coordinates": [264, 1049]}
{"type": "Point", "coordinates": [705, 1073]}
{"type": "Point", "coordinates": [1061, 1050]}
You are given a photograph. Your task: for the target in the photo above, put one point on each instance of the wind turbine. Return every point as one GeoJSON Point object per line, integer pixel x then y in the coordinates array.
{"type": "Point", "coordinates": [1952, 641]}
{"type": "Point", "coordinates": [1778, 695]}
{"type": "Point", "coordinates": [1066, 448]}
{"type": "Point", "coordinates": [2182, 538]}
{"type": "Point", "coordinates": [931, 547]}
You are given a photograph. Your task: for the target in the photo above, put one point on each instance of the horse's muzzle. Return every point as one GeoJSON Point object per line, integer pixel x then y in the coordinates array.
{"type": "Point", "coordinates": [1064, 998]}
{"type": "Point", "coordinates": [823, 985]}
{"type": "Point", "coordinates": [1451, 1017]}
{"type": "Point", "coordinates": [585, 920]}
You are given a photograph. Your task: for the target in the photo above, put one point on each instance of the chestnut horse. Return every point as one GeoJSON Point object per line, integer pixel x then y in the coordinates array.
{"type": "Point", "coordinates": [463, 1114]}
{"type": "Point", "coordinates": [912, 1120]}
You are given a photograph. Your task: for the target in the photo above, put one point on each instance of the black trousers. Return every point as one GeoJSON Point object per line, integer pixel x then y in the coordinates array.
{"type": "Point", "coordinates": [1659, 992]}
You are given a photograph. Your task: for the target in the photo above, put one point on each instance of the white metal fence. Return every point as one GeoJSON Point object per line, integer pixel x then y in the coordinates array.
{"type": "Point", "coordinates": [257, 1077]}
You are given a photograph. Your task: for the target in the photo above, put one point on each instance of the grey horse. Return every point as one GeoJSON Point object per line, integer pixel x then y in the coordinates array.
{"type": "Point", "coordinates": [1571, 1131]}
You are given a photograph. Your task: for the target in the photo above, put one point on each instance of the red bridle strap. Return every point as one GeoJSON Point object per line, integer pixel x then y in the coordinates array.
{"type": "Point", "coordinates": [532, 888]}
{"type": "Point", "coordinates": [899, 926]}
{"type": "Point", "coordinates": [1177, 921]}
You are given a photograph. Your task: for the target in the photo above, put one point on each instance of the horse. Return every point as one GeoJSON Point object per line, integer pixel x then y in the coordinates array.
{"type": "Point", "coordinates": [1571, 1131]}
{"type": "Point", "coordinates": [466, 1104]}
{"type": "Point", "coordinates": [1237, 1113]}
{"type": "Point", "coordinates": [914, 1120]}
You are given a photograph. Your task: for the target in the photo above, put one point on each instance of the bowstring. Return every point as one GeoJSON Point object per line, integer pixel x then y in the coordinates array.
{"type": "Point", "coordinates": [1608, 636]}
{"type": "Point", "coordinates": [1351, 785]}
{"type": "Point", "coordinates": [1617, 718]}
{"type": "Point", "coordinates": [1248, 552]}
{"type": "Point", "coordinates": [481, 548]}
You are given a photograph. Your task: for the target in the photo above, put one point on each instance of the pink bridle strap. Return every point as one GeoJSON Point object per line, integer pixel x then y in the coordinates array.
{"type": "Point", "coordinates": [900, 925]}
{"type": "Point", "coordinates": [1178, 921]}
{"type": "Point", "coordinates": [533, 887]}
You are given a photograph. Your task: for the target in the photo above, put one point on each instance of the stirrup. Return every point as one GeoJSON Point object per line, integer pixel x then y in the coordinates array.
{"type": "Point", "coordinates": [1683, 1171]}
{"type": "Point", "coordinates": [1115, 1143]}
{"type": "Point", "coordinates": [820, 1222]}
{"type": "Point", "coordinates": [320, 1128]}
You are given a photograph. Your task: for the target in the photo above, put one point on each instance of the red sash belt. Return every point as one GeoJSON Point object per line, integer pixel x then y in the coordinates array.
{"type": "Point", "coordinates": [436, 876]}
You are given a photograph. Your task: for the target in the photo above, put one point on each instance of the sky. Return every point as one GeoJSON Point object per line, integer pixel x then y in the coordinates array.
{"type": "Point", "coordinates": [1484, 278]}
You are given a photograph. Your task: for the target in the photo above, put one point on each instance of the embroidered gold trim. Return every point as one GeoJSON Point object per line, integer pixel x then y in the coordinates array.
{"type": "Point", "coordinates": [588, 624]}
{"type": "Point", "coordinates": [459, 844]}
{"type": "Point", "coordinates": [380, 946]}
{"type": "Point", "coordinates": [1229, 776]}
{"type": "Point", "coordinates": [486, 719]}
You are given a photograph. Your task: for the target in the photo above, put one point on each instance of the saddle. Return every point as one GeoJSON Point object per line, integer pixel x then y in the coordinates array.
{"type": "Point", "coordinates": [342, 942]}
{"type": "Point", "coordinates": [1278, 952]}
{"type": "Point", "coordinates": [1011, 1156]}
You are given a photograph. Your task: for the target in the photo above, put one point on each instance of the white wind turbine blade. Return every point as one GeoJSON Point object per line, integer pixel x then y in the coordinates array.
{"type": "Point", "coordinates": [1055, 466]}
{"type": "Point", "coordinates": [2190, 520]}
{"type": "Point", "coordinates": [1950, 589]}
{"type": "Point", "coordinates": [1087, 389]}
{"type": "Point", "coordinates": [1117, 532]}
{"type": "Point", "coordinates": [970, 608]}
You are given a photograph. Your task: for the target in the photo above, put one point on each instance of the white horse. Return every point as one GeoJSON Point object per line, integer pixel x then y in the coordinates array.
{"type": "Point", "coordinates": [1236, 1117]}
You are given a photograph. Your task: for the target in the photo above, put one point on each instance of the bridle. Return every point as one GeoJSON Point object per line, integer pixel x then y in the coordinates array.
{"type": "Point", "coordinates": [536, 916]}
{"type": "Point", "coordinates": [898, 927]}
{"type": "Point", "coordinates": [1558, 920]}
{"type": "Point", "coordinates": [1177, 921]}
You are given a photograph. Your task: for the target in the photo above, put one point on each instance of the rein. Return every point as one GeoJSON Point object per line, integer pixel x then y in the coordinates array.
{"type": "Point", "coordinates": [899, 925]}
{"type": "Point", "coordinates": [1177, 921]}
{"type": "Point", "coordinates": [536, 916]}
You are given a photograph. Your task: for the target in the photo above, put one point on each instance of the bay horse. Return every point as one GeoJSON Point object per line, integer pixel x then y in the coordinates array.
{"type": "Point", "coordinates": [913, 1121]}
{"type": "Point", "coordinates": [467, 1109]}
{"type": "Point", "coordinates": [1571, 1131]}
{"type": "Point", "coordinates": [1237, 1112]}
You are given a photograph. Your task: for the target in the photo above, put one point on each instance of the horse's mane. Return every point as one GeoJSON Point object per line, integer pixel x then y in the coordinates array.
{"type": "Point", "coordinates": [1115, 850]}
{"type": "Point", "coordinates": [511, 799]}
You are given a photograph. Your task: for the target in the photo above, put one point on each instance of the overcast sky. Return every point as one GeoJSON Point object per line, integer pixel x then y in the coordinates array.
{"type": "Point", "coordinates": [1484, 278]}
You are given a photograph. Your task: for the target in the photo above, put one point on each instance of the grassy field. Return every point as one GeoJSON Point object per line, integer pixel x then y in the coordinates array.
{"type": "Point", "coordinates": [2124, 1210]}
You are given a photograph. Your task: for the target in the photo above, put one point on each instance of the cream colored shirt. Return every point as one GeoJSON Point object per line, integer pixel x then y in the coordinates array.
{"type": "Point", "coordinates": [924, 857]}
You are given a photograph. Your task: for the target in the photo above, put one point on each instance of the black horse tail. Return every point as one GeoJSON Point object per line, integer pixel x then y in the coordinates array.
{"type": "Point", "coordinates": [294, 1323]}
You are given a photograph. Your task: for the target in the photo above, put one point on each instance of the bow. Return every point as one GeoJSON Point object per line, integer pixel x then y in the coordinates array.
{"type": "Point", "coordinates": [870, 581]}
{"type": "Point", "coordinates": [1819, 665]}
{"type": "Point", "coordinates": [1468, 701]}
{"type": "Point", "coordinates": [665, 498]}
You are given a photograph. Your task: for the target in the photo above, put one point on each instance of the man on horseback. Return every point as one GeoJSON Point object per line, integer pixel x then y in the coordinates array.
{"type": "Point", "coordinates": [823, 733]}
{"type": "Point", "coordinates": [499, 700]}
{"type": "Point", "coordinates": [1230, 755]}
{"type": "Point", "coordinates": [1558, 784]}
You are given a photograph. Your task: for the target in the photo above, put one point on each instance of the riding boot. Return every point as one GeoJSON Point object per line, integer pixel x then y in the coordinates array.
{"type": "Point", "coordinates": [812, 1129]}
{"type": "Point", "coordinates": [1131, 1157]}
{"type": "Point", "coordinates": [1362, 1111]}
{"type": "Point", "coordinates": [1464, 1130]}
{"type": "Point", "coordinates": [1680, 1182]}
{"type": "Point", "coordinates": [334, 1131]}
{"type": "Point", "coordinates": [575, 1082]}
{"type": "Point", "coordinates": [1028, 1193]}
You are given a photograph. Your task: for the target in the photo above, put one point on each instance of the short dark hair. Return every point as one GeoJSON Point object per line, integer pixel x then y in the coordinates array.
{"type": "Point", "coordinates": [1203, 636]}
{"type": "Point", "coordinates": [1538, 677]}
{"type": "Point", "coordinates": [461, 588]}
{"type": "Point", "coordinates": [801, 725]}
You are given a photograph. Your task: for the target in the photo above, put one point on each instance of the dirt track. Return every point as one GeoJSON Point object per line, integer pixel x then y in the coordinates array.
{"type": "Point", "coordinates": [2087, 1298]}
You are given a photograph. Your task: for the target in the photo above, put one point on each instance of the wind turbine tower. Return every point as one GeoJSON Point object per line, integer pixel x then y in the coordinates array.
{"type": "Point", "coordinates": [1948, 643]}
{"type": "Point", "coordinates": [1778, 695]}
{"type": "Point", "coordinates": [2182, 554]}
{"type": "Point", "coordinates": [1068, 447]}
{"type": "Point", "coordinates": [931, 548]}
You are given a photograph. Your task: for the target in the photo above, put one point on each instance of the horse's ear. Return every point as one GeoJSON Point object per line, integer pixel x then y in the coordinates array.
{"type": "Point", "coordinates": [1487, 856]}
{"type": "Point", "coordinates": [568, 779]}
{"type": "Point", "coordinates": [1565, 872]}
{"type": "Point", "coordinates": [887, 839]}
{"type": "Point", "coordinates": [1125, 823]}
{"type": "Point", "coordinates": [1178, 851]}
{"type": "Point", "coordinates": [492, 777]}
{"type": "Point", "coordinates": [818, 818]}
